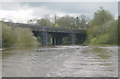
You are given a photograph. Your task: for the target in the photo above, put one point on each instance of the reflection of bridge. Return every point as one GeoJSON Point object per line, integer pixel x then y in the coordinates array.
{"type": "Point", "coordinates": [57, 33]}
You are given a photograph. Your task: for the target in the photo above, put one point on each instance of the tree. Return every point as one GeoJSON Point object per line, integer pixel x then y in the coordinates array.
{"type": "Point", "coordinates": [17, 37]}
{"type": "Point", "coordinates": [103, 28]}
{"type": "Point", "coordinates": [66, 22]}
{"type": "Point", "coordinates": [44, 22]}
{"type": "Point", "coordinates": [101, 16]}
{"type": "Point", "coordinates": [32, 21]}
{"type": "Point", "coordinates": [83, 21]}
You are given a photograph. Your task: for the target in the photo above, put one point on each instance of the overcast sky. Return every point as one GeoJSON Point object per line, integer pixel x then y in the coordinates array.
{"type": "Point", "coordinates": [22, 11]}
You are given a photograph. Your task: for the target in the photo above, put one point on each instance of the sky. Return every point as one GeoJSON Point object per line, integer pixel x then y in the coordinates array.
{"type": "Point", "coordinates": [22, 11]}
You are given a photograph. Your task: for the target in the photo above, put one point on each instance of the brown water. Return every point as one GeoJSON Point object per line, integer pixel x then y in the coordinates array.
{"type": "Point", "coordinates": [61, 61]}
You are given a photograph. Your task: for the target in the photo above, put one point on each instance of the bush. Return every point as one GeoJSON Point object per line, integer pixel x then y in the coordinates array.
{"type": "Point", "coordinates": [17, 37]}
{"type": "Point", "coordinates": [103, 28]}
{"type": "Point", "coordinates": [112, 30]}
{"type": "Point", "coordinates": [101, 39]}
{"type": "Point", "coordinates": [107, 35]}
{"type": "Point", "coordinates": [66, 40]}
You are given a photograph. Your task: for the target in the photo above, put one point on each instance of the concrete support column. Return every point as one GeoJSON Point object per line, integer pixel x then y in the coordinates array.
{"type": "Point", "coordinates": [73, 38]}
{"type": "Point", "coordinates": [44, 38]}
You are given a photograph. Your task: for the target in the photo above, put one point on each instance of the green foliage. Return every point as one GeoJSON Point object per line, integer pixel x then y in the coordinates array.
{"type": "Point", "coordinates": [101, 16]}
{"type": "Point", "coordinates": [66, 40]}
{"type": "Point", "coordinates": [83, 22]}
{"type": "Point", "coordinates": [101, 39]}
{"type": "Point", "coordinates": [56, 25]}
{"type": "Point", "coordinates": [17, 37]}
{"type": "Point", "coordinates": [103, 29]}
{"type": "Point", "coordinates": [112, 30]}
{"type": "Point", "coordinates": [66, 22]}
{"type": "Point", "coordinates": [44, 22]}
{"type": "Point", "coordinates": [39, 40]}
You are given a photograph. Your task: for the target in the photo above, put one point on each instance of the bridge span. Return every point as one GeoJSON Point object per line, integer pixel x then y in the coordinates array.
{"type": "Point", "coordinates": [57, 33]}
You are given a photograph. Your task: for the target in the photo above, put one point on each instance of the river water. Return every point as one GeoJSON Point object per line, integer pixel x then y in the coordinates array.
{"type": "Point", "coordinates": [61, 61]}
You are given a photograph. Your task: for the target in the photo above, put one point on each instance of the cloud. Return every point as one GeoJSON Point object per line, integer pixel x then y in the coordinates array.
{"type": "Point", "coordinates": [22, 11]}
{"type": "Point", "coordinates": [16, 16]}
{"type": "Point", "coordinates": [15, 11]}
{"type": "Point", "coordinates": [87, 8]}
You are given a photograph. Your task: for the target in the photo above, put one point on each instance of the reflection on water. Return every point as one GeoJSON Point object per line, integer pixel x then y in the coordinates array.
{"type": "Point", "coordinates": [61, 61]}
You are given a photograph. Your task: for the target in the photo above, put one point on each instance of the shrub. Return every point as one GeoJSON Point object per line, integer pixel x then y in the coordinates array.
{"type": "Point", "coordinates": [107, 35]}
{"type": "Point", "coordinates": [101, 39]}
{"type": "Point", "coordinates": [66, 40]}
{"type": "Point", "coordinates": [17, 37]}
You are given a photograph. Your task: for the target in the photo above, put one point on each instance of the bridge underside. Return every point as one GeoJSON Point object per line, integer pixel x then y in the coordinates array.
{"type": "Point", "coordinates": [57, 38]}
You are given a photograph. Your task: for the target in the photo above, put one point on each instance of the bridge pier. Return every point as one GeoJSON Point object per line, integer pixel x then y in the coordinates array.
{"type": "Point", "coordinates": [72, 38]}
{"type": "Point", "coordinates": [44, 38]}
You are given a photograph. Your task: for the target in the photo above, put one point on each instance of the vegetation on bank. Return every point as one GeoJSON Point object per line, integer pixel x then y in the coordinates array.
{"type": "Point", "coordinates": [17, 37]}
{"type": "Point", "coordinates": [103, 30]}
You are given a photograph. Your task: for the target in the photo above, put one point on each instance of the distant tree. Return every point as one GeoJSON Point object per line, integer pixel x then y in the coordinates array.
{"type": "Point", "coordinates": [83, 21]}
{"type": "Point", "coordinates": [66, 21]}
{"type": "Point", "coordinates": [44, 22]}
{"type": "Point", "coordinates": [31, 21]}
{"type": "Point", "coordinates": [101, 16]}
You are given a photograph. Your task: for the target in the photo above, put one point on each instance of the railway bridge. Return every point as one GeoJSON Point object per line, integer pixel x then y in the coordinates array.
{"type": "Point", "coordinates": [57, 33]}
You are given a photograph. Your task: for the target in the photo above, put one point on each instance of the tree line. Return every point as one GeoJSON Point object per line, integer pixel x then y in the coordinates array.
{"type": "Point", "coordinates": [66, 21]}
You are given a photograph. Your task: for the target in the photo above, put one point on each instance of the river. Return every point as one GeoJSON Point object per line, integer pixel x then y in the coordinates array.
{"type": "Point", "coordinates": [61, 61]}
